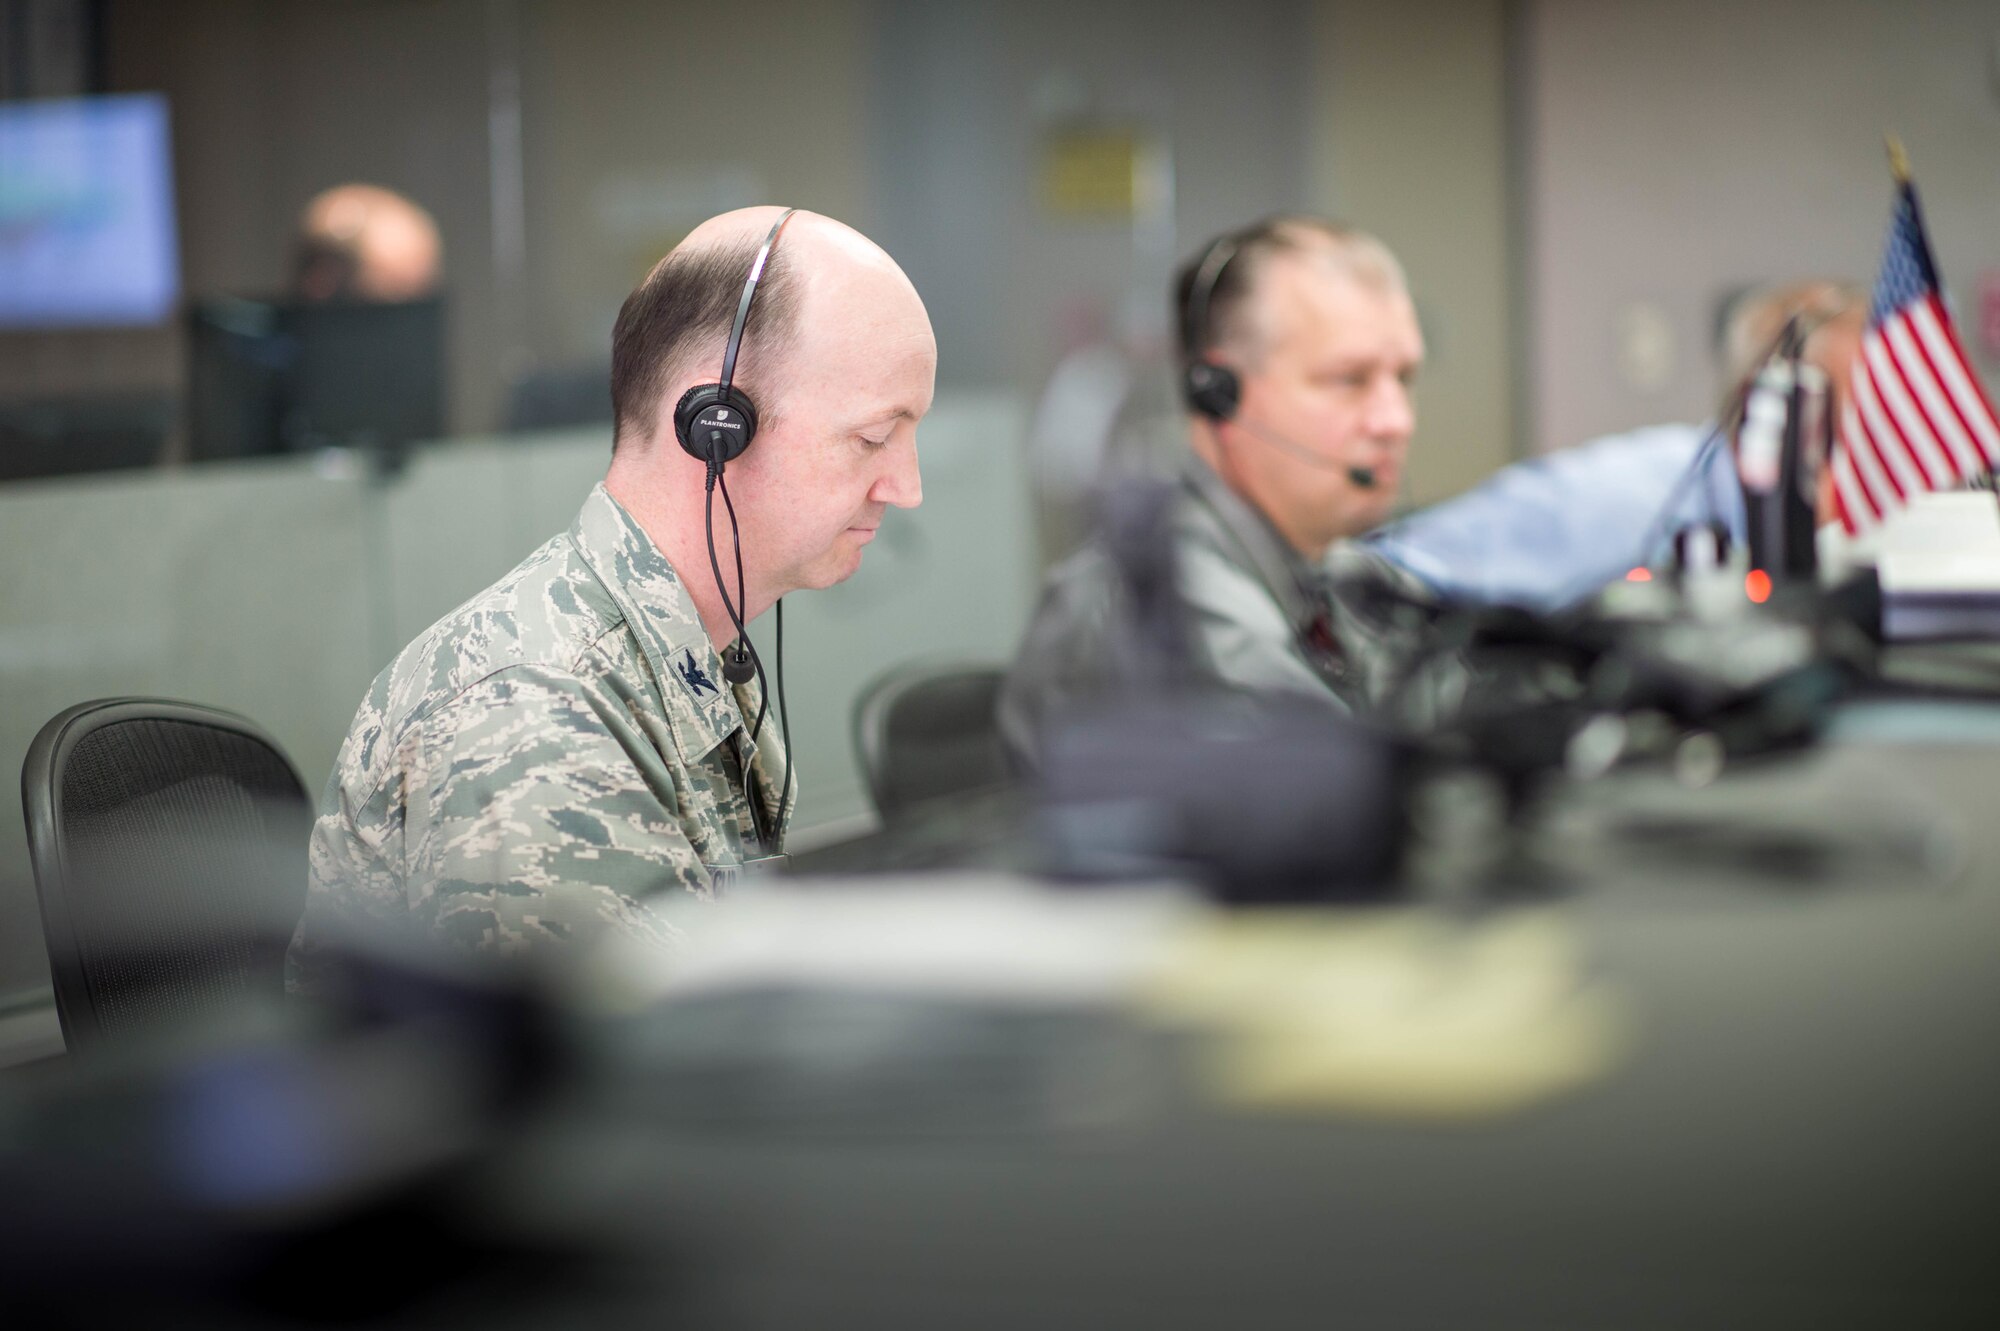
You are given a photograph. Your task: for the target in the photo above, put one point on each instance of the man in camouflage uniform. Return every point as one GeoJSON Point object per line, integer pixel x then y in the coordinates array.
{"type": "Point", "coordinates": [1316, 323]}
{"type": "Point", "coordinates": [564, 746]}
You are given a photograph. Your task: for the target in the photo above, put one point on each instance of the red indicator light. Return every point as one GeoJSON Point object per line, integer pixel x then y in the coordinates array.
{"type": "Point", "coordinates": [1639, 575]}
{"type": "Point", "coordinates": [1757, 585]}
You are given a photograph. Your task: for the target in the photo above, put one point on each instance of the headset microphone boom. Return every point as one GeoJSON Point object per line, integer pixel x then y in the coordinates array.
{"type": "Point", "coordinates": [1362, 478]}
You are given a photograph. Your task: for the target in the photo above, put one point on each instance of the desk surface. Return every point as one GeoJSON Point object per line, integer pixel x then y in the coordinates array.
{"type": "Point", "coordinates": [1801, 1132]}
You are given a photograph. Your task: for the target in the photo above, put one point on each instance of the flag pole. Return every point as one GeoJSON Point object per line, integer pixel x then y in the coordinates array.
{"type": "Point", "coordinates": [1899, 161]}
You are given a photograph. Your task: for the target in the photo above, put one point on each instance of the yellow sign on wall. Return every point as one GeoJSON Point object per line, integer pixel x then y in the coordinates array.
{"type": "Point", "coordinates": [1091, 173]}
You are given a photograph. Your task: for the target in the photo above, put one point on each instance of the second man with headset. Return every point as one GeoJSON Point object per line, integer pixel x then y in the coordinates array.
{"type": "Point", "coordinates": [1299, 349]}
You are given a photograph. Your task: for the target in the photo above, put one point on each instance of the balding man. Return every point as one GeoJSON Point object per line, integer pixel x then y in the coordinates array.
{"type": "Point", "coordinates": [567, 744]}
{"type": "Point", "coordinates": [365, 243]}
{"type": "Point", "coordinates": [1300, 346]}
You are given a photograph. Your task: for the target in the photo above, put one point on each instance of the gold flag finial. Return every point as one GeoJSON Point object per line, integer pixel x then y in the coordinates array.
{"type": "Point", "coordinates": [1899, 161]}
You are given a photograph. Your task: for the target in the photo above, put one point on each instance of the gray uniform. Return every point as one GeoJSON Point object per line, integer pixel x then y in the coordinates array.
{"type": "Point", "coordinates": [542, 760]}
{"type": "Point", "coordinates": [1259, 617]}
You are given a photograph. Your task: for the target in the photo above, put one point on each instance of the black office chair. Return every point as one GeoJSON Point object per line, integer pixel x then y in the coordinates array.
{"type": "Point", "coordinates": [169, 850]}
{"type": "Point", "coordinates": [928, 730]}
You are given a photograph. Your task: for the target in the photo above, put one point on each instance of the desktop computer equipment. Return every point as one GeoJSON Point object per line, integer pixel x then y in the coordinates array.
{"type": "Point", "coordinates": [87, 244]}
{"type": "Point", "coordinates": [87, 236]}
{"type": "Point", "coordinates": [269, 377]}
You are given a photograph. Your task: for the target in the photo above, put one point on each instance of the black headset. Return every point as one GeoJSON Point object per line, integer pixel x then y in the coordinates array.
{"type": "Point", "coordinates": [716, 422]}
{"type": "Point", "coordinates": [1210, 389]}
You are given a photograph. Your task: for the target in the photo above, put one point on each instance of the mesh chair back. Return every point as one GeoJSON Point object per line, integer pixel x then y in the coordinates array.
{"type": "Point", "coordinates": [926, 731]}
{"type": "Point", "coordinates": [169, 850]}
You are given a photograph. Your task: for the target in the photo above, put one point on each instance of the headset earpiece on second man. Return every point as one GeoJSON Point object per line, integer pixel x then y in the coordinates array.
{"type": "Point", "coordinates": [1210, 389]}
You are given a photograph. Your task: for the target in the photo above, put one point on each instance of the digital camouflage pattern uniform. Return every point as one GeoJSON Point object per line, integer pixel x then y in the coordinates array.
{"type": "Point", "coordinates": [1343, 633]}
{"type": "Point", "coordinates": [542, 760]}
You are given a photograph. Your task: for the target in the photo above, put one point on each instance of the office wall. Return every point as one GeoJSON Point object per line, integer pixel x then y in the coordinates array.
{"type": "Point", "coordinates": [1680, 150]}
{"type": "Point", "coordinates": [643, 118]}
{"type": "Point", "coordinates": [1412, 139]}
{"type": "Point", "coordinates": [623, 144]}
{"type": "Point", "coordinates": [976, 94]}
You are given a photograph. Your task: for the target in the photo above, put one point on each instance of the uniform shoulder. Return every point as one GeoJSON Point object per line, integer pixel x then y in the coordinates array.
{"type": "Point", "coordinates": [544, 617]}
{"type": "Point", "coordinates": [547, 611]}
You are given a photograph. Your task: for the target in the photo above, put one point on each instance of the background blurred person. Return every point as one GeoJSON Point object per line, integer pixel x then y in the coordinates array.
{"type": "Point", "coordinates": [1551, 531]}
{"type": "Point", "coordinates": [365, 243]}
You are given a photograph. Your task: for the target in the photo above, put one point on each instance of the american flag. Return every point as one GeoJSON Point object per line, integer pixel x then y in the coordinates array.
{"type": "Point", "coordinates": [1916, 417]}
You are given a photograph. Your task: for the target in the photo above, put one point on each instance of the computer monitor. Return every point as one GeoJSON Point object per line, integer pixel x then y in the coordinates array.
{"type": "Point", "coordinates": [280, 377]}
{"type": "Point", "coordinates": [62, 434]}
{"type": "Point", "coordinates": [87, 235]}
{"type": "Point", "coordinates": [366, 375]}
{"type": "Point", "coordinates": [237, 363]}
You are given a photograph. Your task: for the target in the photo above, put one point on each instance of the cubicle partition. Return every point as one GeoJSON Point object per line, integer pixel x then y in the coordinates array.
{"type": "Point", "coordinates": [279, 587]}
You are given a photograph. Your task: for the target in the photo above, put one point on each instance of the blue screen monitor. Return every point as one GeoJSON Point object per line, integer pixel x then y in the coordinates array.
{"type": "Point", "coordinates": [86, 213]}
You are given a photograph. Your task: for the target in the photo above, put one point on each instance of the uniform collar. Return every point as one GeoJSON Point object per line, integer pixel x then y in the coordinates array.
{"type": "Point", "coordinates": [700, 704]}
{"type": "Point", "coordinates": [1249, 535]}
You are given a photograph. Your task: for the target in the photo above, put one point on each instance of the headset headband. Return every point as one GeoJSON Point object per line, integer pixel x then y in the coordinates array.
{"type": "Point", "coordinates": [749, 294]}
{"type": "Point", "coordinates": [1206, 278]}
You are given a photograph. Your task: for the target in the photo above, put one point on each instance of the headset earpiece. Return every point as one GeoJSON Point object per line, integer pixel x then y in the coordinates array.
{"type": "Point", "coordinates": [715, 424]}
{"type": "Point", "coordinates": [1211, 390]}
